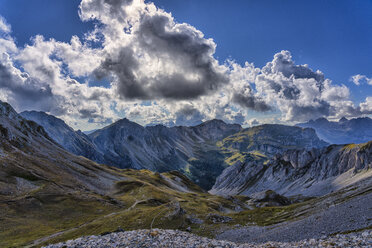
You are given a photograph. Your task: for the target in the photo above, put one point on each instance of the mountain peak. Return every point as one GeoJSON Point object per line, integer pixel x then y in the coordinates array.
{"type": "Point", "coordinates": [343, 119]}
{"type": "Point", "coordinates": [322, 120]}
{"type": "Point", "coordinates": [213, 122]}
{"type": "Point", "coordinates": [7, 110]}
{"type": "Point", "coordinates": [124, 122]}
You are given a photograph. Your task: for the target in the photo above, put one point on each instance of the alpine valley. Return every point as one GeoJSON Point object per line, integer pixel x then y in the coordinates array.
{"type": "Point", "coordinates": [264, 183]}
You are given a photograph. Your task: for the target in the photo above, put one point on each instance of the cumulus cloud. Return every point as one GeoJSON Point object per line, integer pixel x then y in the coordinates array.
{"type": "Point", "coordinates": [159, 71]}
{"type": "Point", "coordinates": [301, 93]}
{"type": "Point", "coordinates": [366, 106]}
{"type": "Point", "coordinates": [156, 57]}
{"type": "Point", "coordinates": [42, 83]}
{"type": "Point", "coordinates": [358, 79]}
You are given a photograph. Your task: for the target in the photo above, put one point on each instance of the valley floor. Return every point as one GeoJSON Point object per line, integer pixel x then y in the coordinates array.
{"type": "Point", "coordinates": [174, 238]}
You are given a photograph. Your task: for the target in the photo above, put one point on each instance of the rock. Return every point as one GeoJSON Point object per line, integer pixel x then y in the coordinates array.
{"type": "Point", "coordinates": [268, 198]}
{"type": "Point", "coordinates": [194, 220]}
{"type": "Point", "coordinates": [176, 238]}
{"type": "Point", "coordinates": [215, 218]}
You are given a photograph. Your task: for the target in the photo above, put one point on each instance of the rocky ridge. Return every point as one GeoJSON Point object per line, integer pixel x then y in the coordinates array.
{"type": "Point", "coordinates": [309, 172]}
{"type": "Point", "coordinates": [73, 141]}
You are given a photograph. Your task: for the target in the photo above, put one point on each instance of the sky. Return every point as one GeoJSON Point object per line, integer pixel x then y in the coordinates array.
{"type": "Point", "coordinates": [174, 62]}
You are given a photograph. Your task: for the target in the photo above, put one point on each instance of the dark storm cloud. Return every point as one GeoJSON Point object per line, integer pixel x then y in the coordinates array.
{"type": "Point", "coordinates": [123, 66]}
{"type": "Point", "coordinates": [321, 109]}
{"type": "Point", "coordinates": [87, 113]}
{"type": "Point", "coordinates": [180, 45]}
{"type": "Point", "coordinates": [250, 102]}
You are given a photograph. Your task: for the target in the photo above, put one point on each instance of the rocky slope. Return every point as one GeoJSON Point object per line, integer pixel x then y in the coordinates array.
{"type": "Point", "coordinates": [73, 141]}
{"type": "Point", "coordinates": [310, 172]}
{"type": "Point", "coordinates": [358, 130]}
{"type": "Point", "coordinates": [32, 161]}
{"type": "Point", "coordinates": [174, 238]}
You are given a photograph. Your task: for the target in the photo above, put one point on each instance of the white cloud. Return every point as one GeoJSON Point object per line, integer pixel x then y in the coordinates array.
{"type": "Point", "coordinates": [358, 79]}
{"type": "Point", "coordinates": [154, 57]}
{"type": "Point", "coordinates": [301, 93]}
{"type": "Point", "coordinates": [4, 26]}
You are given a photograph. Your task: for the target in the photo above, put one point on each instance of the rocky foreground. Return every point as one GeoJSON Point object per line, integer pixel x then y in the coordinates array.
{"type": "Point", "coordinates": [175, 238]}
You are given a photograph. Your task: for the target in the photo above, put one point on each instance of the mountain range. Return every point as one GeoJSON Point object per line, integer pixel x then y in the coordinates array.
{"type": "Point", "coordinates": [201, 152]}
{"type": "Point", "coordinates": [344, 131]}
{"type": "Point", "coordinates": [49, 194]}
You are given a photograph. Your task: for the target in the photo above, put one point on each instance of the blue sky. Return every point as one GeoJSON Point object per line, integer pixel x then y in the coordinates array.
{"type": "Point", "coordinates": [333, 36]}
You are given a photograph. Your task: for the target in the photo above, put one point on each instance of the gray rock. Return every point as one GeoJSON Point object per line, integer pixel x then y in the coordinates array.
{"type": "Point", "coordinates": [313, 172]}
{"type": "Point", "coordinates": [215, 218]}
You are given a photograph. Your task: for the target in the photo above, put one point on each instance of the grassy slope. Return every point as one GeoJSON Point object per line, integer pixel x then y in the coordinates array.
{"type": "Point", "coordinates": [134, 203]}
{"type": "Point", "coordinates": [59, 206]}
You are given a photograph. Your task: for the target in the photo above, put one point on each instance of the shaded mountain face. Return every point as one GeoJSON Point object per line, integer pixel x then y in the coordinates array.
{"type": "Point", "coordinates": [31, 159]}
{"type": "Point", "coordinates": [264, 141]}
{"type": "Point", "coordinates": [73, 141]}
{"type": "Point", "coordinates": [126, 144]}
{"type": "Point", "coordinates": [201, 152]}
{"type": "Point", "coordinates": [358, 130]}
{"type": "Point", "coordinates": [191, 150]}
{"type": "Point", "coordinates": [307, 172]}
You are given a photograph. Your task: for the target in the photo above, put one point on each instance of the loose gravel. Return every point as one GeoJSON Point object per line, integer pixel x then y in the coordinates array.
{"type": "Point", "coordinates": [355, 214]}
{"type": "Point", "coordinates": [175, 238]}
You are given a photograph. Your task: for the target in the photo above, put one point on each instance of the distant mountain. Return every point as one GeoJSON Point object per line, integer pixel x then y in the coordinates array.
{"type": "Point", "coordinates": [313, 172]}
{"type": "Point", "coordinates": [126, 144]}
{"type": "Point", "coordinates": [201, 152]}
{"type": "Point", "coordinates": [358, 130]}
{"type": "Point", "coordinates": [264, 141]}
{"type": "Point", "coordinates": [90, 131]}
{"type": "Point", "coordinates": [73, 141]}
{"type": "Point", "coordinates": [191, 150]}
